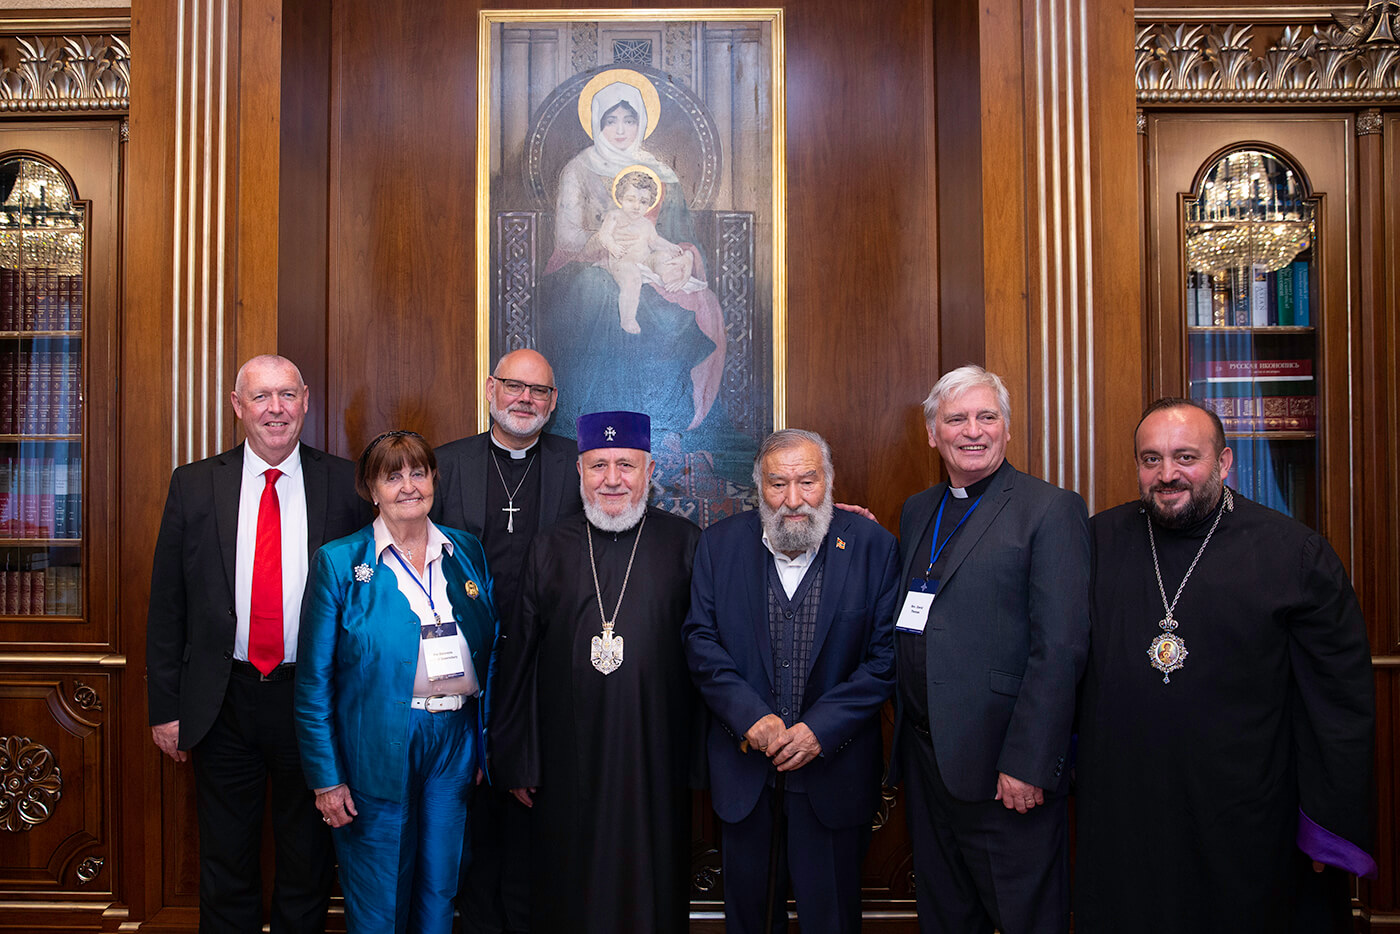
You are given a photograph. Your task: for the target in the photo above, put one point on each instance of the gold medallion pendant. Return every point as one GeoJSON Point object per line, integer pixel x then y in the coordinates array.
{"type": "Point", "coordinates": [1167, 651]}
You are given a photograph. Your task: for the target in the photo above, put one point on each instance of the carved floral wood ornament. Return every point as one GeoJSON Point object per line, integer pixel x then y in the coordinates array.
{"type": "Point", "coordinates": [30, 783]}
{"type": "Point", "coordinates": [1348, 58]}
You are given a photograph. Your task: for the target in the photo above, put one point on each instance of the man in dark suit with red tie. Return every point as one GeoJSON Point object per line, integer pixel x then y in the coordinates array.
{"type": "Point", "coordinates": [230, 565]}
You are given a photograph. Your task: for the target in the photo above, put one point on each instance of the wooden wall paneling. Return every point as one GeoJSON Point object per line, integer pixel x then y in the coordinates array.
{"type": "Point", "coordinates": [1081, 345]}
{"type": "Point", "coordinates": [56, 834]}
{"type": "Point", "coordinates": [201, 215]}
{"type": "Point", "coordinates": [146, 430]}
{"type": "Point", "coordinates": [1376, 381]}
{"type": "Point", "coordinates": [860, 274]}
{"type": "Point", "coordinates": [402, 196]}
{"type": "Point", "coordinates": [302, 219]}
{"type": "Point", "coordinates": [248, 85]}
{"type": "Point", "coordinates": [1381, 390]}
{"type": "Point", "coordinates": [1047, 291]}
{"type": "Point", "coordinates": [961, 306]}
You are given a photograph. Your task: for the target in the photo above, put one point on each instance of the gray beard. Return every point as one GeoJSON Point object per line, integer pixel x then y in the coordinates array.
{"type": "Point", "coordinates": [784, 536]}
{"type": "Point", "coordinates": [511, 423]}
{"type": "Point", "coordinates": [619, 523]}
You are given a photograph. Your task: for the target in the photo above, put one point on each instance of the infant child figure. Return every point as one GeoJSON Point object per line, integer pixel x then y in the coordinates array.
{"type": "Point", "coordinates": [636, 253]}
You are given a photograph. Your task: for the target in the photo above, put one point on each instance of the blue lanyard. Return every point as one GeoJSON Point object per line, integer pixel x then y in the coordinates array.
{"type": "Point", "coordinates": [428, 590]}
{"type": "Point", "coordinates": [936, 549]}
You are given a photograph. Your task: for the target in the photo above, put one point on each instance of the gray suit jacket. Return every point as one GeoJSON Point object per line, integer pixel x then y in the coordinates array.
{"type": "Point", "coordinates": [464, 470]}
{"type": "Point", "coordinates": [1008, 634]}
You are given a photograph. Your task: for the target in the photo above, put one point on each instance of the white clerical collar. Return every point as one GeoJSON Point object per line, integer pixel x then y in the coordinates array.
{"type": "Point", "coordinates": [514, 454]}
{"type": "Point", "coordinates": [959, 492]}
{"type": "Point", "coordinates": [801, 561]}
{"type": "Point", "coordinates": [437, 542]}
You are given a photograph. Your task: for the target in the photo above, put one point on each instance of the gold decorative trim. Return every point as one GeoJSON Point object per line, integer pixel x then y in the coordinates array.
{"type": "Point", "coordinates": [1339, 58]}
{"type": "Point", "coordinates": [31, 783]}
{"type": "Point", "coordinates": [89, 868]}
{"type": "Point", "coordinates": [45, 659]}
{"type": "Point", "coordinates": [65, 73]}
{"type": "Point", "coordinates": [1141, 123]}
{"type": "Point", "coordinates": [1369, 123]}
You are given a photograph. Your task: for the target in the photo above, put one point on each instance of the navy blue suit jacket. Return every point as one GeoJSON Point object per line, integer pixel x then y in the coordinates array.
{"type": "Point", "coordinates": [852, 664]}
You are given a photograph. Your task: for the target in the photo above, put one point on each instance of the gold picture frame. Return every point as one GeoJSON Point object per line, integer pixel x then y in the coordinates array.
{"type": "Point", "coordinates": [678, 308]}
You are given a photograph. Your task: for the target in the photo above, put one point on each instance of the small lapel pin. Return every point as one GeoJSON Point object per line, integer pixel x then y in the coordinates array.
{"type": "Point", "coordinates": [363, 572]}
{"type": "Point", "coordinates": [472, 589]}
{"type": "Point", "coordinates": [840, 543]}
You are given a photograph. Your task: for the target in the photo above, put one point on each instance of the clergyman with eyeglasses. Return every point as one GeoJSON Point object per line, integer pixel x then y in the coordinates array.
{"type": "Point", "coordinates": [505, 485]}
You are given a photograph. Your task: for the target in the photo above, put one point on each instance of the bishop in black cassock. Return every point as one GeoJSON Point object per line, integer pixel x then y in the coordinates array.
{"type": "Point", "coordinates": [1204, 800]}
{"type": "Point", "coordinates": [610, 756]}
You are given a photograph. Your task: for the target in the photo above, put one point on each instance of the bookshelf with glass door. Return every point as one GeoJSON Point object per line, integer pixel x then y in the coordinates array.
{"type": "Point", "coordinates": [1251, 317]}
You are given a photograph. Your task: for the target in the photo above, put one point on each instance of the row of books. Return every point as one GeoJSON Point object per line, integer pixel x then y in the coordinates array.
{"type": "Point", "coordinates": [41, 497]}
{"type": "Point", "coordinates": [1272, 474]}
{"type": "Point", "coordinates": [40, 299]}
{"type": "Point", "coordinates": [1264, 413]}
{"type": "Point", "coordinates": [51, 592]}
{"type": "Point", "coordinates": [1250, 296]}
{"type": "Point", "coordinates": [41, 390]}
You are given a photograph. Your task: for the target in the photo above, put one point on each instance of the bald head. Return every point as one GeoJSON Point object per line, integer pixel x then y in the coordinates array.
{"type": "Point", "coordinates": [520, 393]}
{"type": "Point", "coordinates": [270, 398]}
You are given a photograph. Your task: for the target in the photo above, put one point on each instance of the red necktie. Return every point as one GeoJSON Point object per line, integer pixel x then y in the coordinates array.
{"type": "Point", "coordinates": [265, 616]}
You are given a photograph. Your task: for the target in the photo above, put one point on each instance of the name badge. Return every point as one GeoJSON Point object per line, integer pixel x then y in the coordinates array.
{"type": "Point", "coordinates": [913, 617]}
{"type": "Point", "coordinates": [442, 652]}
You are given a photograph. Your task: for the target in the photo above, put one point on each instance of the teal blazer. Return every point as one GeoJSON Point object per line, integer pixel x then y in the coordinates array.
{"type": "Point", "coordinates": [358, 654]}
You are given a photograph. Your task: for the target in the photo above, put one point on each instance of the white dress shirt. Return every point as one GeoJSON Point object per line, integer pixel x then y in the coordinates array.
{"type": "Point", "coordinates": [790, 570]}
{"type": "Point", "coordinates": [412, 587]}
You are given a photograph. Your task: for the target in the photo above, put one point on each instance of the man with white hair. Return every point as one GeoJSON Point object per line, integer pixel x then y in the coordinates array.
{"type": "Point", "coordinates": [790, 641]}
{"type": "Point", "coordinates": [990, 643]}
{"type": "Point", "coordinates": [593, 731]}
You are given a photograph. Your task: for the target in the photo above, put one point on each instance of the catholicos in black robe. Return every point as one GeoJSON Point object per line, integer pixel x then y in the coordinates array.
{"type": "Point", "coordinates": [1203, 800]}
{"type": "Point", "coordinates": [612, 756]}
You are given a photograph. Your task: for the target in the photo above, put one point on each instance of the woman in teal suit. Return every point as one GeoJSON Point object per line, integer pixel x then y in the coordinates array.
{"type": "Point", "coordinates": [397, 651]}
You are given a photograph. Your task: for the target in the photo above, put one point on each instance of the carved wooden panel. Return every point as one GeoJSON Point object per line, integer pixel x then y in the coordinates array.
{"type": "Point", "coordinates": [55, 769]}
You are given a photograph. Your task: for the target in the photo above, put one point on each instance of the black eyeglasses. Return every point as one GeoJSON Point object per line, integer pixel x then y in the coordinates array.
{"type": "Point", "coordinates": [515, 387]}
{"type": "Point", "coordinates": [392, 434]}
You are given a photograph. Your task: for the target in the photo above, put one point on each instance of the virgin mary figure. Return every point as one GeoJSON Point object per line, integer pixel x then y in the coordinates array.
{"type": "Point", "coordinates": [672, 367]}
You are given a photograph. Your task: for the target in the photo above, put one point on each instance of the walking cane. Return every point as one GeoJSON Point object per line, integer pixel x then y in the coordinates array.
{"type": "Point", "coordinates": [774, 842]}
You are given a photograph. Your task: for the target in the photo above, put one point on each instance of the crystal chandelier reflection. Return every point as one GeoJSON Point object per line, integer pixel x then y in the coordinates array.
{"type": "Point", "coordinates": [40, 227]}
{"type": "Point", "coordinates": [1251, 212]}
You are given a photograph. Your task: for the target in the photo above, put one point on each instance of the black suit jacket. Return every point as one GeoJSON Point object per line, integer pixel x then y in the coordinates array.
{"type": "Point", "coordinates": [1008, 634]}
{"type": "Point", "coordinates": [191, 621]}
{"type": "Point", "coordinates": [464, 471]}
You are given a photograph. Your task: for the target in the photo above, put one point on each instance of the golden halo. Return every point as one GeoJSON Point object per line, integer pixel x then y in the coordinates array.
{"type": "Point", "coordinates": [612, 189]}
{"type": "Point", "coordinates": [650, 99]}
